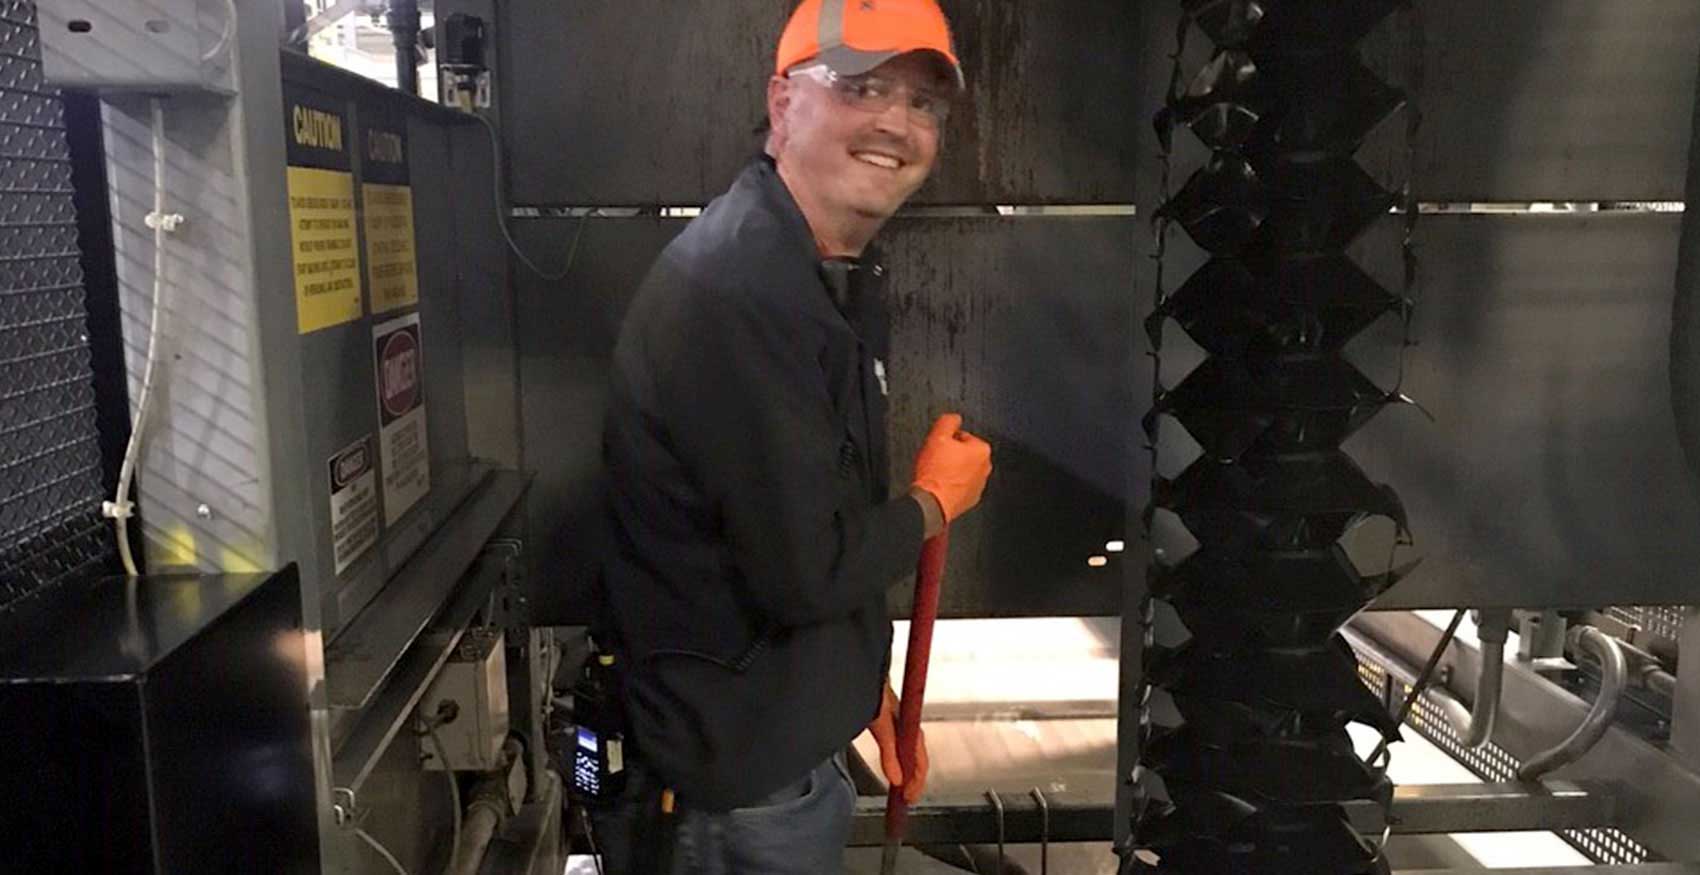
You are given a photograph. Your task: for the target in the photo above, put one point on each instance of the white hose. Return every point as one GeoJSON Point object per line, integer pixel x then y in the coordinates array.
{"type": "Point", "coordinates": [378, 846]}
{"type": "Point", "coordinates": [454, 793]}
{"type": "Point", "coordinates": [120, 507]}
{"type": "Point", "coordinates": [1492, 630]}
{"type": "Point", "coordinates": [499, 173]}
{"type": "Point", "coordinates": [224, 35]}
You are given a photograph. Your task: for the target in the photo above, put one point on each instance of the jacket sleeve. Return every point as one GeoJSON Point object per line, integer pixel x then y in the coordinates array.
{"type": "Point", "coordinates": [749, 413]}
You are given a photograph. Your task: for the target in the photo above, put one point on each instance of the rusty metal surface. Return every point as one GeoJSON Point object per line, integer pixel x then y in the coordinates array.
{"type": "Point", "coordinates": [635, 103]}
{"type": "Point", "coordinates": [1024, 325]}
{"type": "Point", "coordinates": [1551, 474]}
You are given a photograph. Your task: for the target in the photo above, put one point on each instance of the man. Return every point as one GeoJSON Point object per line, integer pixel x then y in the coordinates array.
{"type": "Point", "coordinates": [755, 536]}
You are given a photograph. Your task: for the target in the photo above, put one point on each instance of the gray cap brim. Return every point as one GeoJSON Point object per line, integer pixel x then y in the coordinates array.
{"type": "Point", "coordinates": [846, 61]}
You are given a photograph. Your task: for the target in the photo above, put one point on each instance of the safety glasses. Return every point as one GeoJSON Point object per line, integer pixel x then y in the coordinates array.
{"type": "Point", "coordinates": [877, 94]}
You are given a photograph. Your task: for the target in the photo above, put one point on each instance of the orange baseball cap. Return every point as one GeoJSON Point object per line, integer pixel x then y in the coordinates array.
{"type": "Point", "coordinates": [852, 37]}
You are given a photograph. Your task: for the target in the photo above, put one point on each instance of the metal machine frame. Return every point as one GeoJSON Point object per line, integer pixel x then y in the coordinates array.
{"type": "Point", "coordinates": [380, 633]}
{"type": "Point", "coordinates": [234, 472]}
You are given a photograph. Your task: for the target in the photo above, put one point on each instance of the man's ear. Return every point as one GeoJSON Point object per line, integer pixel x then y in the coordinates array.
{"type": "Point", "coordinates": [778, 103]}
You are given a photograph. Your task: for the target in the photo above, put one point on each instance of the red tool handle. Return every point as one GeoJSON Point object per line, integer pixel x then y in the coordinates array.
{"type": "Point", "coordinates": [928, 577]}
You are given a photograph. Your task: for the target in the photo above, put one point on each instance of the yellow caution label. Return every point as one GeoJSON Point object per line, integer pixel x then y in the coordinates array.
{"type": "Point", "coordinates": [392, 264]}
{"type": "Point", "coordinates": [327, 260]}
{"type": "Point", "coordinates": [316, 128]}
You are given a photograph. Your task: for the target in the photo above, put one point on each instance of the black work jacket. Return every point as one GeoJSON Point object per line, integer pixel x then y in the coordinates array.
{"type": "Point", "coordinates": [754, 534]}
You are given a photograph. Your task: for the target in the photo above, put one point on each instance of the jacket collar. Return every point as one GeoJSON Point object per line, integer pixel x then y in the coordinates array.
{"type": "Point", "coordinates": [762, 176]}
{"type": "Point", "coordinates": [846, 280]}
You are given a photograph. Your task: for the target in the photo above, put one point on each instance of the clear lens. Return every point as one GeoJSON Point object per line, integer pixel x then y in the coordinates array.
{"type": "Point", "coordinates": [876, 94]}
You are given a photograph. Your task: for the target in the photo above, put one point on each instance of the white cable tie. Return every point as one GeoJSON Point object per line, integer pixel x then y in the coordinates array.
{"type": "Point", "coordinates": [118, 510]}
{"type": "Point", "coordinates": [168, 222]}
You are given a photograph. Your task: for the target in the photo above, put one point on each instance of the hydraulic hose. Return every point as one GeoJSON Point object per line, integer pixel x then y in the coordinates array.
{"type": "Point", "coordinates": [1614, 673]}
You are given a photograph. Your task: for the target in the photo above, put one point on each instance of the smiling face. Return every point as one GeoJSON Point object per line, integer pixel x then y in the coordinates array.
{"type": "Point", "coordinates": [847, 159]}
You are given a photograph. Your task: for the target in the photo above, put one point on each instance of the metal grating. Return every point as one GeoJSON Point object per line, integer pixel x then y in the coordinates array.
{"type": "Point", "coordinates": [1492, 763]}
{"type": "Point", "coordinates": [50, 463]}
{"type": "Point", "coordinates": [1659, 621]}
{"type": "Point", "coordinates": [1373, 676]}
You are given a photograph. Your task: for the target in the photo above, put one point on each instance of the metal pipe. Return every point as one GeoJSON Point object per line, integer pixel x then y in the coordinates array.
{"type": "Point", "coordinates": [483, 818]}
{"type": "Point", "coordinates": [295, 25]}
{"type": "Point", "coordinates": [1614, 673]}
{"type": "Point", "coordinates": [1492, 630]}
{"type": "Point", "coordinates": [1659, 681]}
{"type": "Point", "coordinates": [1455, 712]}
{"type": "Point", "coordinates": [1646, 670]}
{"type": "Point", "coordinates": [403, 21]}
{"type": "Point", "coordinates": [489, 809]}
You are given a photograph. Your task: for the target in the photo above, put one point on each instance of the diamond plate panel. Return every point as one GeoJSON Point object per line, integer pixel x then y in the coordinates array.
{"type": "Point", "coordinates": [50, 464]}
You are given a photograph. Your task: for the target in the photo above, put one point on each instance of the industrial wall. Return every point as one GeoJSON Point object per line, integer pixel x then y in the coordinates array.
{"type": "Point", "coordinates": [1550, 471]}
{"type": "Point", "coordinates": [1021, 322]}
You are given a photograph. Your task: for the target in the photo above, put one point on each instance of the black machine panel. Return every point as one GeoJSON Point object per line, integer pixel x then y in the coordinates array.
{"type": "Point", "coordinates": [566, 340]}
{"type": "Point", "coordinates": [158, 726]}
{"type": "Point", "coordinates": [1556, 99]}
{"type": "Point", "coordinates": [656, 102]}
{"type": "Point", "coordinates": [1552, 474]}
{"type": "Point", "coordinates": [1024, 325]}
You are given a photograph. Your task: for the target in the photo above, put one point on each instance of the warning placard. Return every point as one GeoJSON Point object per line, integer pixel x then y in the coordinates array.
{"type": "Point", "coordinates": [386, 194]}
{"type": "Point", "coordinates": [404, 454]}
{"type": "Point", "coordinates": [327, 266]}
{"type": "Point", "coordinates": [354, 502]}
{"type": "Point", "coordinates": [321, 209]}
{"type": "Point", "coordinates": [391, 263]}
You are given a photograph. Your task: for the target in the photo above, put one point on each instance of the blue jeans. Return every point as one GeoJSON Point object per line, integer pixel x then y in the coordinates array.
{"type": "Point", "coordinates": [799, 830]}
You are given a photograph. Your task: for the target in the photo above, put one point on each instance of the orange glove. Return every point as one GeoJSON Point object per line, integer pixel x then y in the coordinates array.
{"type": "Point", "coordinates": [953, 466]}
{"type": "Point", "coordinates": [884, 731]}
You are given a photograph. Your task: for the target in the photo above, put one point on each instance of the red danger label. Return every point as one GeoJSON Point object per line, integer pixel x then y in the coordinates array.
{"type": "Point", "coordinates": [398, 371]}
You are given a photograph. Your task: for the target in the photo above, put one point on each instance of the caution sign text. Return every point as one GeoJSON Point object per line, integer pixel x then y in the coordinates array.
{"type": "Point", "coordinates": [391, 262]}
{"type": "Point", "coordinates": [327, 264]}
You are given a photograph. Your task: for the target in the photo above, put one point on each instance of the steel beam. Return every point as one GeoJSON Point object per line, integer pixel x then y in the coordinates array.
{"type": "Point", "coordinates": [1427, 809]}
{"type": "Point", "coordinates": [1081, 817]}
{"type": "Point", "coordinates": [967, 819]}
